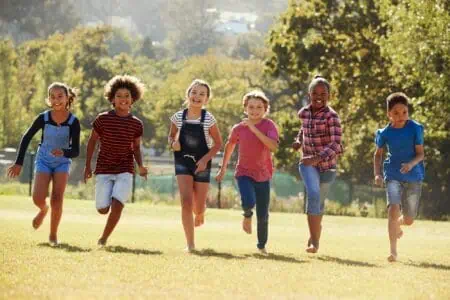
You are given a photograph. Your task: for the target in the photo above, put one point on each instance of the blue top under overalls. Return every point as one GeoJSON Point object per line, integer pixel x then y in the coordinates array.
{"type": "Point", "coordinates": [193, 143]}
{"type": "Point", "coordinates": [66, 137]}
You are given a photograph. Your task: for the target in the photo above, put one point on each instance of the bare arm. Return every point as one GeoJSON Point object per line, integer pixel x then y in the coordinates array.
{"type": "Point", "coordinates": [89, 153]}
{"type": "Point", "coordinates": [217, 138]}
{"type": "Point", "coordinates": [377, 159]}
{"type": "Point", "coordinates": [267, 141]}
{"type": "Point", "coordinates": [138, 157]}
{"type": "Point", "coordinates": [172, 139]}
{"type": "Point", "coordinates": [420, 155]}
{"type": "Point", "coordinates": [229, 148]}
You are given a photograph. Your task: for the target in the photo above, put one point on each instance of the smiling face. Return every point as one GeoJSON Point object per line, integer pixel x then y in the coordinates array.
{"type": "Point", "coordinates": [58, 99]}
{"type": "Point", "coordinates": [198, 96]}
{"type": "Point", "coordinates": [319, 96]}
{"type": "Point", "coordinates": [255, 109]}
{"type": "Point", "coordinates": [398, 115]}
{"type": "Point", "coordinates": [122, 100]}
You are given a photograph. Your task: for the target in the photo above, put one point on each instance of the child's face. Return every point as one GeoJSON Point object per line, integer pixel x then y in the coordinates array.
{"type": "Point", "coordinates": [319, 96]}
{"type": "Point", "coordinates": [198, 96]}
{"type": "Point", "coordinates": [255, 109]}
{"type": "Point", "coordinates": [122, 100]}
{"type": "Point", "coordinates": [58, 98]}
{"type": "Point", "coordinates": [398, 115]}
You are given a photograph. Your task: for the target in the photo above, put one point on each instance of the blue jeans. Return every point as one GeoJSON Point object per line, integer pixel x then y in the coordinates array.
{"type": "Point", "coordinates": [406, 194]}
{"type": "Point", "coordinates": [256, 193]}
{"type": "Point", "coordinates": [317, 185]}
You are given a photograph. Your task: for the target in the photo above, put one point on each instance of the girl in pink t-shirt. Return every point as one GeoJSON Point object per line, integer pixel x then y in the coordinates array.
{"type": "Point", "coordinates": [257, 137]}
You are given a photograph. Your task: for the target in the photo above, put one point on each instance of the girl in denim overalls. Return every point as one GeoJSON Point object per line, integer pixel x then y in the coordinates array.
{"type": "Point", "coordinates": [195, 138]}
{"type": "Point", "coordinates": [60, 141]}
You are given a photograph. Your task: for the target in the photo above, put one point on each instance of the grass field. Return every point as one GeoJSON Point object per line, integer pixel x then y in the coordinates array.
{"type": "Point", "coordinates": [145, 259]}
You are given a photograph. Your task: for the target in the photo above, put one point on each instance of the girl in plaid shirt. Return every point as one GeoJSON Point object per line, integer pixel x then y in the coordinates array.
{"type": "Point", "coordinates": [320, 141]}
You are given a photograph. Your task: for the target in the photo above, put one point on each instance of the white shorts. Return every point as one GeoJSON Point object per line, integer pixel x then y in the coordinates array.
{"type": "Point", "coordinates": [108, 186]}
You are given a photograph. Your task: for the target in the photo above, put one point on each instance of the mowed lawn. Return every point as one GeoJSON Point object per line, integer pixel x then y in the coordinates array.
{"type": "Point", "coordinates": [145, 258]}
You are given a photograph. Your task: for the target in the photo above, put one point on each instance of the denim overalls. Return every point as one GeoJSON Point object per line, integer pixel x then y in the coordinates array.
{"type": "Point", "coordinates": [193, 148]}
{"type": "Point", "coordinates": [54, 137]}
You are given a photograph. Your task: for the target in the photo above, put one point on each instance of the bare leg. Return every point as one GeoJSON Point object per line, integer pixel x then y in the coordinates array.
{"type": "Point", "coordinates": [393, 229]}
{"type": "Point", "coordinates": [199, 200]}
{"type": "Point", "coordinates": [186, 187]}
{"type": "Point", "coordinates": [56, 203]}
{"type": "Point", "coordinates": [40, 192]}
{"type": "Point", "coordinates": [315, 230]}
{"type": "Point", "coordinates": [113, 219]}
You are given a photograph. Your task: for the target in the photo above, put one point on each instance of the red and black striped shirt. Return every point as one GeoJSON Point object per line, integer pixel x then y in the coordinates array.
{"type": "Point", "coordinates": [117, 135]}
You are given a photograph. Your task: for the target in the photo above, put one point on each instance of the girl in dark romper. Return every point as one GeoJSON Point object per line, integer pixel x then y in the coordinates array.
{"type": "Point", "coordinates": [195, 139]}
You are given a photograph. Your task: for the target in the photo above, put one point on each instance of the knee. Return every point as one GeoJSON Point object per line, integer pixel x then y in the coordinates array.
{"type": "Point", "coordinates": [408, 221]}
{"type": "Point", "coordinates": [56, 202]}
{"type": "Point", "coordinates": [263, 219]}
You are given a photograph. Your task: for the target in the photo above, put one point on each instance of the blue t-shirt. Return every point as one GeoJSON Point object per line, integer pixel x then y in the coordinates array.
{"type": "Point", "coordinates": [401, 149]}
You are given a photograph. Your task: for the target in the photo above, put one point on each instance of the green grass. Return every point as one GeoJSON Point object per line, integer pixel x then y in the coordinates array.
{"type": "Point", "coordinates": [145, 259]}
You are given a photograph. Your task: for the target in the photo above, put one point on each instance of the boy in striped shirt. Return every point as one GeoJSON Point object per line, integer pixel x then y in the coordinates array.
{"type": "Point", "coordinates": [119, 134]}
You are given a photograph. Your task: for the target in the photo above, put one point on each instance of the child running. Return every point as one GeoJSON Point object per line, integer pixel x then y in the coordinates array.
{"type": "Point", "coordinates": [60, 141]}
{"type": "Point", "coordinates": [320, 141]}
{"type": "Point", "coordinates": [257, 137]}
{"type": "Point", "coordinates": [403, 168]}
{"type": "Point", "coordinates": [195, 139]}
{"type": "Point", "coordinates": [119, 134]}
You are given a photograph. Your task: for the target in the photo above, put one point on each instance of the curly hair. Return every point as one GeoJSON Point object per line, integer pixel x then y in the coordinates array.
{"type": "Point", "coordinates": [396, 98]}
{"type": "Point", "coordinates": [131, 83]}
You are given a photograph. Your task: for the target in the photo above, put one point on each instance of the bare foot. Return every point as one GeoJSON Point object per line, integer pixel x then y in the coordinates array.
{"type": "Point", "coordinates": [312, 247]}
{"type": "Point", "coordinates": [39, 218]}
{"type": "Point", "coordinates": [247, 225]}
{"type": "Point", "coordinates": [101, 243]}
{"type": "Point", "coordinates": [53, 242]}
{"type": "Point", "coordinates": [399, 232]}
{"type": "Point", "coordinates": [199, 220]}
{"type": "Point", "coordinates": [263, 252]}
{"type": "Point", "coordinates": [392, 257]}
{"type": "Point", "coordinates": [189, 249]}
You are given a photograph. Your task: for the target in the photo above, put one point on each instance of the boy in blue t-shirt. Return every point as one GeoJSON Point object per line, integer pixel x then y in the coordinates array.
{"type": "Point", "coordinates": [403, 166]}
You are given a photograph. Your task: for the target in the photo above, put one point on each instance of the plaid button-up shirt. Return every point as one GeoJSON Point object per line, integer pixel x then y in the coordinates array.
{"type": "Point", "coordinates": [320, 135]}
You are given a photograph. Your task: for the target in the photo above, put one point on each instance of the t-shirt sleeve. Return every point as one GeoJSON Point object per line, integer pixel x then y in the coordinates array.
{"type": "Point", "coordinates": [273, 132]}
{"type": "Point", "coordinates": [234, 135]}
{"type": "Point", "coordinates": [211, 119]}
{"type": "Point", "coordinates": [379, 139]}
{"type": "Point", "coordinates": [139, 131]}
{"type": "Point", "coordinates": [97, 125]}
{"type": "Point", "coordinates": [176, 118]}
{"type": "Point", "coordinates": [418, 137]}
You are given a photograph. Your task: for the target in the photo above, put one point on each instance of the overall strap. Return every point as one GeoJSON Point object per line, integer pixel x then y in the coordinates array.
{"type": "Point", "coordinates": [46, 116]}
{"type": "Point", "coordinates": [203, 117]}
{"type": "Point", "coordinates": [71, 119]}
{"type": "Point", "coordinates": [183, 117]}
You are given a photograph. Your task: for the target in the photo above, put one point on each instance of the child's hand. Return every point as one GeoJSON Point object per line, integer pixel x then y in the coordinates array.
{"type": "Point", "coordinates": [310, 160]}
{"type": "Point", "coordinates": [201, 165]}
{"type": "Point", "coordinates": [378, 180]}
{"type": "Point", "coordinates": [57, 152]}
{"type": "Point", "coordinates": [143, 172]}
{"type": "Point", "coordinates": [87, 173]}
{"type": "Point", "coordinates": [14, 171]}
{"type": "Point", "coordinates": [220, 174]}
{"type": "Point", "coordinates": [296, 145]}
{"type": "Point", "coordinates": [246, 122]}
{"type": "Point", "coordinates": [406, 168]}
{"type": "Point", "coordinates": [176, 146]}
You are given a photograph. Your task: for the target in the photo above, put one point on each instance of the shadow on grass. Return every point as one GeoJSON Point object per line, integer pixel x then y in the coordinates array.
{"type": "Point", "coordinates": [277, 257]}
{"type": "Point", "coordinates": [66, 247]}
{"type": "Point", "coordinates": [347, 262]}
{"type": "Point", "coordinates": [121, 249]}
{"type": "Point", "coordinates": [426, 265]}
{"type": "Point", "coordinates": [214, 253]}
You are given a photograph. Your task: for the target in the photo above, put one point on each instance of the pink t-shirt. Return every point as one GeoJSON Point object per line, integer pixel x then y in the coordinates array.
{"type": "Point", "coordinates": [255, 159]}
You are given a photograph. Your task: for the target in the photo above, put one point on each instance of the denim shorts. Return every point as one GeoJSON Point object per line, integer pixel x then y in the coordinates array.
{"type": "Point", "coordinates": [186, 167]}
{"type": "Point", "coordinates": [406, 194]}
{"type": "Point", "coordinates": [44, 166]}
{"type": "Point", "coordinates": [108, 186]}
